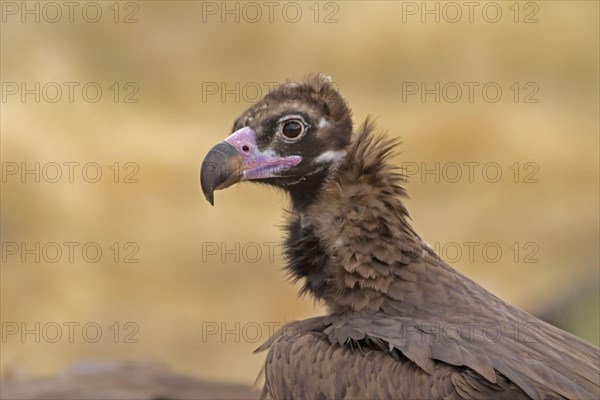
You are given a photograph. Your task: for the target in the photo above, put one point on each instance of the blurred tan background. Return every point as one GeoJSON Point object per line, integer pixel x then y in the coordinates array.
{"type": "Point", "coordinates": [185, 287]}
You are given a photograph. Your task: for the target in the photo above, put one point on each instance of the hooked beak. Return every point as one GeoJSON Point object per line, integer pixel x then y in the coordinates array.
{"type": "Point", "coordinates": [238, 159]}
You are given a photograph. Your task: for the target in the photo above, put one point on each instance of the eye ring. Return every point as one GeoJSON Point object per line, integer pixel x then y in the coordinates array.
{"type": "Point", "coordinates": [292, 129]}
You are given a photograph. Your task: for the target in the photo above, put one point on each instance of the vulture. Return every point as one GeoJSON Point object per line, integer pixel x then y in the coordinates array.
{"type": "Point", "coordinates": [400, 323]}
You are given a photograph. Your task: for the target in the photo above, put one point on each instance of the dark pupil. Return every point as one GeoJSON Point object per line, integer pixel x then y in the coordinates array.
{"type": "Point", "coordinates": [292, 129]}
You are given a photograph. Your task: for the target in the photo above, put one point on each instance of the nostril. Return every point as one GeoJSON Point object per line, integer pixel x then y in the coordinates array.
{"type": "Point", "coordinates": [245, 148]}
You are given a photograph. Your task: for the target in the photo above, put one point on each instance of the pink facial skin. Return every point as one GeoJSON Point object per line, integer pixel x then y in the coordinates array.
{"type": "Point", "coordinates": [258, 164]}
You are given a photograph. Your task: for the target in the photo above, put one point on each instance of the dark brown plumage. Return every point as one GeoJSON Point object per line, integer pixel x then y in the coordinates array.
{"type": "Point", "coordinates": [401, 322]}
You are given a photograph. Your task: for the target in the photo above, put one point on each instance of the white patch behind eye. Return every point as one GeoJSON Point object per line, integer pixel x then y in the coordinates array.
{"type": "Point", "coordinates": [330, 155]}
{"type": "Point", "coordinates": [323, 122]}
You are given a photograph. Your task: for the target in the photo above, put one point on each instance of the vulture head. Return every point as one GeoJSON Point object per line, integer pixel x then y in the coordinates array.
{"type": "Point", "coordinates": [291, 139]}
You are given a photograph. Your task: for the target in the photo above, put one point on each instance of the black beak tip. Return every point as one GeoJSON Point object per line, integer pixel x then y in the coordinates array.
{"type": "Point", "coordinates": [210, 197]}
{"type": "Point", "coordinates": [207, 186]}
{"type": "Point", "coordinates": [218, 169]}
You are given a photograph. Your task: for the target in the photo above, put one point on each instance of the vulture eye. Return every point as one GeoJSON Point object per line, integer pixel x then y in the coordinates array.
{"type": "Point", "coordinates": [292, 129]}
